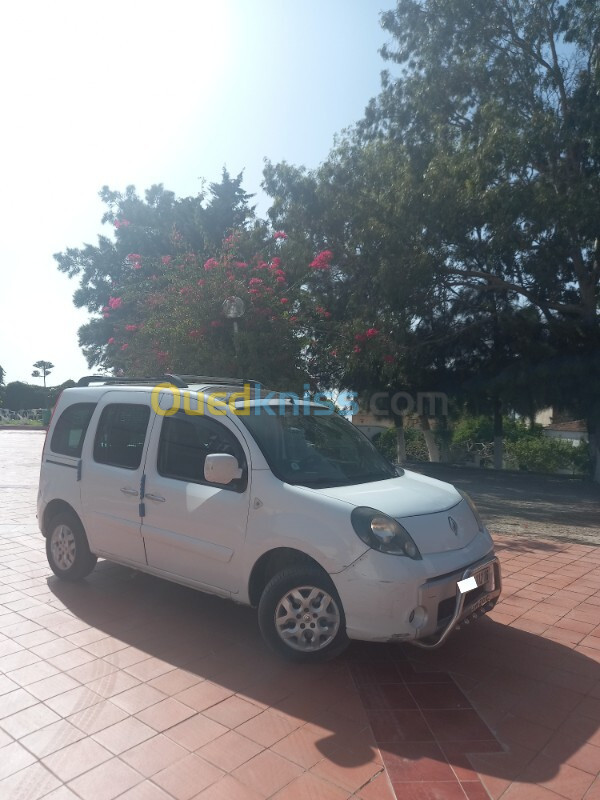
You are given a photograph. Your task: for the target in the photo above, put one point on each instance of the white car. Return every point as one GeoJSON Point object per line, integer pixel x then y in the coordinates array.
{"type": "Point", "coordinates": [266, 499]}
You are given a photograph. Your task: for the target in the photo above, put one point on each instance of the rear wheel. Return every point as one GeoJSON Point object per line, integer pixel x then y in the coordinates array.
{"type": "Point", "coordinates": [301, 615]}
{"type": "Point", "coordinates": [67, 548]}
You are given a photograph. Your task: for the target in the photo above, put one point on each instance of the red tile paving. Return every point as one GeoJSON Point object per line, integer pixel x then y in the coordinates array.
{"type": "Point", "coordinates": [129, 687]}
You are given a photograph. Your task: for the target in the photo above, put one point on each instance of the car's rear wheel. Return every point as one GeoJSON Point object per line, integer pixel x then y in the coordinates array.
{"type": "Point", "coordinates": [67, 548]}
{"type": "Point", "coordinates": [301, 615]}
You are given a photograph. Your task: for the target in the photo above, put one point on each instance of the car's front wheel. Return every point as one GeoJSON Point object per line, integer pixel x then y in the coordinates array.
{"type": "Point", "coordinates": [67, 548]}
{"type": "Point", "coordinates": [301, 615]}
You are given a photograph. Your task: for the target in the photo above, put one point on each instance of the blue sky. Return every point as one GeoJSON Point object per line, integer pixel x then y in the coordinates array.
{"type": "Point", "coordinates": [147, 92]}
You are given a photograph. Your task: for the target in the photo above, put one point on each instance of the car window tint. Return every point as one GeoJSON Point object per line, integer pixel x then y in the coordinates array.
{"type": "Point", "coordinates": [121, 434]}
{"type": "Point", "coordinates": [70, 429]}
{"type": "Point", "coordinates": [185, 441]}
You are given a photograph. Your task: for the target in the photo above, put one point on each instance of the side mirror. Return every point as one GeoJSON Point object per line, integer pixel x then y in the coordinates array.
{"type": "Point", "coordinates": [221, 468]}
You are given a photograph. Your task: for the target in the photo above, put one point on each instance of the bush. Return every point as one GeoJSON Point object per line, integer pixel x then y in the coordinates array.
{"type": "Point", "coordinates": [416, 449]}
{"type": "Point", "coordinates": [541, 454]}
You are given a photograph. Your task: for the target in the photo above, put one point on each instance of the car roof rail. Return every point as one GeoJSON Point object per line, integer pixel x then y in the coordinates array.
{"type": "Point", "coordinates": [210, 379]}
{"type": "Point", "coordinates": [123, 380]}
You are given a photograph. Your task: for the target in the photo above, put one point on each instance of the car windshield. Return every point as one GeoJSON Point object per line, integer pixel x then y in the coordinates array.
{"type": "Point", "coordinates": [303, 447]}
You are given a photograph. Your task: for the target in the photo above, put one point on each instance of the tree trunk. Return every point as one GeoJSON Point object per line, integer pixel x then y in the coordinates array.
{"type": "Point", "coordinates": [444, 436]}
{"type": "Point", "coordinates": [432, 448]}
{"type": "Point", "coordinates": [593, 426]}
{"type": "Point", "coordinates": [400, 441]}
{"type": "Point", "coordinates": [498, 434]}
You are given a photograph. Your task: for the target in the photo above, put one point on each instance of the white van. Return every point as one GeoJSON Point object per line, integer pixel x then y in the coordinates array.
{"type": "Point", "coordinates": [266, 499]}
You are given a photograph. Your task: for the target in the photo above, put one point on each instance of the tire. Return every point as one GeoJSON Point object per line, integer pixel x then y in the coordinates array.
{"type": "Point", "coordinates": [67, 548]}
{"type": "Point", "coordinates": [301, 617]}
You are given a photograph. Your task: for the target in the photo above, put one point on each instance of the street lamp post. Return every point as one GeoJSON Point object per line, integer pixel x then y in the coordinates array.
{"type": "Point", "coordinates": [233, 308]}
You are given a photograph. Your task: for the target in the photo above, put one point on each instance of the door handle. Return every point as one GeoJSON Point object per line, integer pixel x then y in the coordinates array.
{"type": "Point", "coordinates": [156, 497]}
{"type": "Point", "coordinates": [127, 490]}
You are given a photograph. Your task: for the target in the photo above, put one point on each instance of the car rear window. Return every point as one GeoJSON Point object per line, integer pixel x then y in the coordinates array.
{"type": "Point", "coordinates": [121, 435]}
{"type": "Point", "coordinates": [70, 429]}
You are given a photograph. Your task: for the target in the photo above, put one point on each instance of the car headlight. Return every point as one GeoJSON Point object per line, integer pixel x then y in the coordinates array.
{"type": "Point", "coordinates": [473, 508]}
{"type": "Point", "coordinates": [383, 533]}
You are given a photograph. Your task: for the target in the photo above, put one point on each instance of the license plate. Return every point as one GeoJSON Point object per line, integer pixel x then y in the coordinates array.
{"type": "Point", "coordinates": [482, 577]}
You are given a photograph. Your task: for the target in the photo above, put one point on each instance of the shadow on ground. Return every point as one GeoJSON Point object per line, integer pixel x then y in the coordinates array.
{"type": "Point", "coordinates": [417, 706]}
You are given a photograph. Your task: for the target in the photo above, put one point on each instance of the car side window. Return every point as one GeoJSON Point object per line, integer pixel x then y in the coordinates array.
{"type": "Point", "coordinates": [121, 434]}
{"type": "Point", "coordinates": [185, 441]}
{"type": "Point", "coordinates": [69, 432]}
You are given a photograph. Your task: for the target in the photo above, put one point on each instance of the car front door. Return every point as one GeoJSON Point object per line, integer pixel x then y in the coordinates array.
{"type": "Point", "coordinates": [112, 468]}
{"type": "Point", "coordinates": [194, 529]}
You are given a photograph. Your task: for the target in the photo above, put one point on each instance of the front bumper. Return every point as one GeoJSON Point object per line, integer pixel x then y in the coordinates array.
{"type": "Point", "coordinates": [449, 607]}
{"type": "Point", "coordinates": [387, 598]}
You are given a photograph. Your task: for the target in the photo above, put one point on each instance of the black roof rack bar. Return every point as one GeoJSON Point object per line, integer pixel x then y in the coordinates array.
{"type": "Point", "coordinates": [218, 381]}
{"type": "Point", "coordinates": [181, 381]}
{"type": "Point", "coordinates": [176, 380]}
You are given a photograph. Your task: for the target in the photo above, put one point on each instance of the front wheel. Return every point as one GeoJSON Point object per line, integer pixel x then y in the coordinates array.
{"type": "Point", "coordinates": [67, 548]}
{"type": "Point", "coordinates": [301, 616]}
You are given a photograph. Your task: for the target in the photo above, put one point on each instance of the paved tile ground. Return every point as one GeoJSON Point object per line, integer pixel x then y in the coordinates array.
{"type": "Point", "coordinates": [127, 686]}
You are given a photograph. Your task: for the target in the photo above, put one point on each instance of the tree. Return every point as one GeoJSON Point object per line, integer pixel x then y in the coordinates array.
{"type": "Point", "coordinates": [159, 226]}
{"type": "Point", "coordinates": [169, 316]}
{"type": "Point", "coordinates": [42, 370]}
{"type": "Point", "coordinates": [498, 105]}
{"type": "Point", "coordinates": [467, 200]}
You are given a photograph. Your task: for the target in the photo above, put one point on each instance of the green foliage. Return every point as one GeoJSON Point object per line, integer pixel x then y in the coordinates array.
{"type": "Point", "coordinates": [470, 429]}
{"type": "Point", "coordinates": [416, 449]}
{"type": "Point", "coordinates": [463, 209]}
{"type": "Point", "coordinates": [159, 226]}
{"type": "Point", "coordinates": [19, 395]}
{"type": "Point", "coordinates": [543, 454]}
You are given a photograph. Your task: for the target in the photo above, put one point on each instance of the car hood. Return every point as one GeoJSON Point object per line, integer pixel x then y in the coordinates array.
{"type": "Point", "coordinates": [433, 512]}
{"type": "Point", "coordinates": [407, 495]}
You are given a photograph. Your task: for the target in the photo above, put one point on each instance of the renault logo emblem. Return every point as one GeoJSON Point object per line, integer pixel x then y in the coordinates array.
{"type": "Point", "coordinates": [453, 526]}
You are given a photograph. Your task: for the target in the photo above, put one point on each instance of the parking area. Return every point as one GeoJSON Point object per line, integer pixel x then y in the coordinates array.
{"type": "Point", "coordinates": [128, 686]}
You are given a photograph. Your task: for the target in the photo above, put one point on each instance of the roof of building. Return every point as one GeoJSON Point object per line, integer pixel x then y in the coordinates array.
{"type": "Point", "coordinates": [573, 426]}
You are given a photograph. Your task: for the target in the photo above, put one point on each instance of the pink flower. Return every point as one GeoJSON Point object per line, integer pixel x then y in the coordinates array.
{"type": "Point", "coordinates": [253, 291]}
{"type": "Point", "coordinates": [106, 315]}
{"type": "Point", "coordinates": [361, 337]}
{"type": "Point", "coordinates": [280, 279]}
{"type": "Point", "coordinates": [322, 261]}
{"type": "Point", "coordinates": [201, 282]}
{"type": "Point", "coordinates": [166, 260]}
{"type": "Point", "coordinates": [357, 349]}
{"type": "Point", "coordinates": [284, 300]}
{"type": "Point", "coordinates": [389, 359]}
{"type": "Point", "coordinates": [294, 319]}
{"type": "Point", "coordinates": [255, 282]}
{"type": "Point", "coordinates": [122, 223]}
{"type": "Point", "coordinates": [195, 334]}
{"type": "Point", "coordinates": [240, 264]}
{"type": "Point", "coordinates": [134, 258]}
{"type": "Point", "coordinates": [124, 346]}
{"type": "Point", "coordinates": [371, 333]}
{"type": "Point", "coordinates": [333, 353]}
{"type": "Point", "coordinates": [261, 265]}
{"type": "Point", "coordinates": [280, 235]}
{"type": "Point", "coordinates": [111, 340]}
{"type": "Point", "coordinates": [276, 263]}
{"type": "Point", "coordinates": [115, 302]}
{"type": "Point", "coordinates": [131, 327]}
{"type": "Point", "coordinates": [212, 263]}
